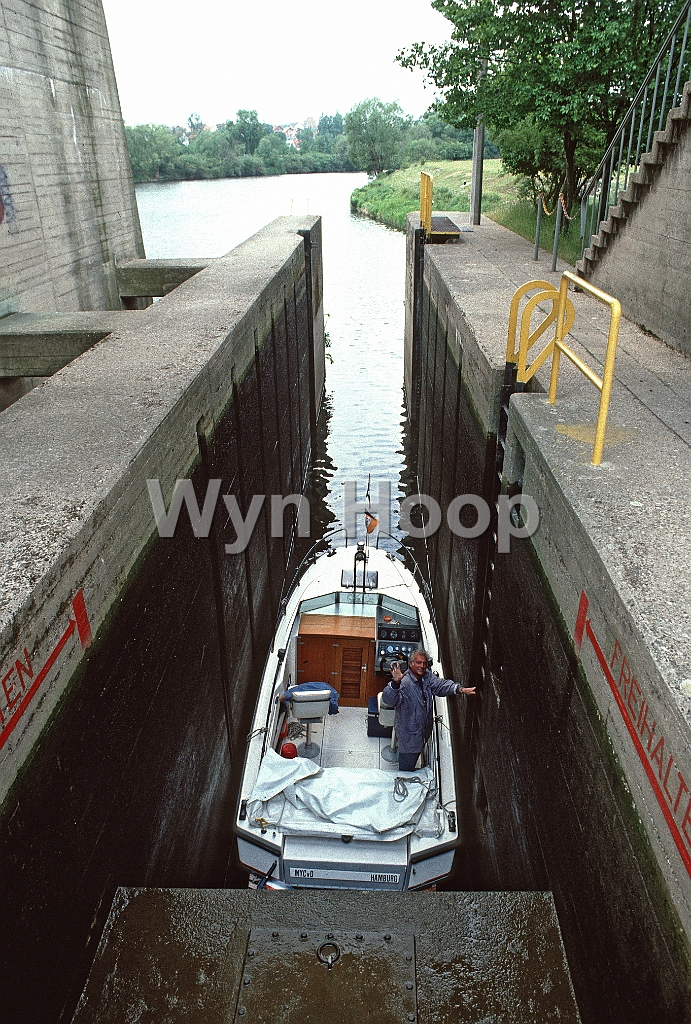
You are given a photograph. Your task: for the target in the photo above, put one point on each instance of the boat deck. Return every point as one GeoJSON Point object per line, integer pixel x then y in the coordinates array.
{"type": "Point", "coordinates": [344, 743]}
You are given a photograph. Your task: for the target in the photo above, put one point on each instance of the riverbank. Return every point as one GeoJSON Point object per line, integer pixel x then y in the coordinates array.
{"type": "Point", "coordinates": [393, 195]}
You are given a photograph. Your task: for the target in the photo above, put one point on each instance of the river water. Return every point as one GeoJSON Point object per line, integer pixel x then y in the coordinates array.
{"type": "Point", "coordinates": [364, 284]}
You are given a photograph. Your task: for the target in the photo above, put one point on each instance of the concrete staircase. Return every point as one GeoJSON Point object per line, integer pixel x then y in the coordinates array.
{"type": "Point", "coordinates": [640, 183]}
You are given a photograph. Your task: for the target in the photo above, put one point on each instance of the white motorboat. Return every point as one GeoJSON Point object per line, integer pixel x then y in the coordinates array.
{"type": "Point", "coordinates": [341, 814]}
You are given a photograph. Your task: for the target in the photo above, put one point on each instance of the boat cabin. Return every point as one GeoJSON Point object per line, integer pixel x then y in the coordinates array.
{"type": "Point", "coordinates": [350, 639]}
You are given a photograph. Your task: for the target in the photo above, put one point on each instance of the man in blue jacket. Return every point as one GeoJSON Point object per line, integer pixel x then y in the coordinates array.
{"type": "Point", "coordinates": [412, 695]}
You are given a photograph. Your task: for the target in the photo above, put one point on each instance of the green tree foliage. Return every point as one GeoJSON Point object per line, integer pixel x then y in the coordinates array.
{"type": "Point", "coordinates": [249, 131]}
{"type": "Point", "coordinates": [331, 126]}
{"type": "Point", "coordinates": [374, 132]}
{"type": "Point", "coordinates": [159, 153]}
{"type": "Point", "coordinates": [241, 148]}
{"type": "Point", "coordinates": [305, 139]}
{"type": "Point", "coordinates": [552, 78]}
{"type": "Point", "coordinates": [195, 125]}
{"type": "Point", "coordinates": [431, 138]}
{"type": "Point", "coordinates": [274, 152]}
{"type": "Point", "coordinates": [155, 152]}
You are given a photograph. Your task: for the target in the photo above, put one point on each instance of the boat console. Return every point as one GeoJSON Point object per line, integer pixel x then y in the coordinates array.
{"type": "Point", "coordinates": [398, 634]}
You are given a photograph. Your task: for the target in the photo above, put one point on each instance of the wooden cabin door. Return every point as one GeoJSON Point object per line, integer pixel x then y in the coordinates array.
{"type": "Point", "coordinates": [352, 661]}
{"type": "Point", "coordinates": [346, 663]}
{"type": "Point", "coordinates": [316, 660]}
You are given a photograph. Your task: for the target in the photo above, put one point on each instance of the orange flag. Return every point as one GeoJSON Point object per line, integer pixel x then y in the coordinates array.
{"type": "Point", "coordinates": [370, 522]}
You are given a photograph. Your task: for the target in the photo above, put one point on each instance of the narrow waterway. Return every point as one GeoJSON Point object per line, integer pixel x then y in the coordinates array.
{"type": "Point", "coordinates": [364, 281]}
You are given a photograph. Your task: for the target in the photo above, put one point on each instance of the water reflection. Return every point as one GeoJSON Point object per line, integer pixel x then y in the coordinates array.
{"type": "Point", "coordinates": [322, 517]}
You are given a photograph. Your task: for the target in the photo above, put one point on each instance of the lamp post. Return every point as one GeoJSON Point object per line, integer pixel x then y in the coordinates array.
{"type": "Point", "coordinates": [476, 180]}
{"type": "Point", "coordinates": [478, 159]}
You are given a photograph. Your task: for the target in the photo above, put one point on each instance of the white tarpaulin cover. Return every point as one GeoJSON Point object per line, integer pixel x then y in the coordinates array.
{"type": "Point", "coordinates": [301, 798]}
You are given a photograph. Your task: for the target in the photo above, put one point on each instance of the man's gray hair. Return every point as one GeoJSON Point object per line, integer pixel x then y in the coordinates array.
{"type": "Point", "coordinates": [421, 651]}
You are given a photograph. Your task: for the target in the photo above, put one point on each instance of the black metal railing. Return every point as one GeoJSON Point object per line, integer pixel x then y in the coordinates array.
{"type": "Point", "coordinates": [660, 92]}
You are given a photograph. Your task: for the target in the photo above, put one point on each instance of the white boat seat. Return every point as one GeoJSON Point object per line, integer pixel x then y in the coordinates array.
{"type": "Point", "coordinates": [386, 714]}
{"type": "Point", "coordinates": [311, 704]}
{"type": "Point", "coordinates": [310, 707]}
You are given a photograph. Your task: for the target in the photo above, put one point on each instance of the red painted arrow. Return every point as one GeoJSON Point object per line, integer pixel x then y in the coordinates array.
{"type": "Point", "coordinates": [583, 625]}
{"type": "Point", "coordinates": [81, 623]}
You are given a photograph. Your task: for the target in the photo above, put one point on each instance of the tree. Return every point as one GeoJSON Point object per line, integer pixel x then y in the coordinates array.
{"type": "Point", "coordinates": [195, 125]}
{"type": "Point", "coordinates": [305, 139]}
{"type": "Point", "coordinates": [274, 152]}
{"type": "Point", "coordinates": [155, 152]}
{"type": "Point", "coordinates": [332, 126]}
{"type": "Point", "coordinates": [565, 70]}
{"type": "Point", "coordinates": [374, 132]}
{"type": "Point", "coordinates": [249, 130]}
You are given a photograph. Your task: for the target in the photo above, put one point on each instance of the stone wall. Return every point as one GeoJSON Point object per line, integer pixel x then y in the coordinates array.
{"type": "Point", "coordinates": [67, 203]}
{"type": "Point", "coordinates": [647, 264]}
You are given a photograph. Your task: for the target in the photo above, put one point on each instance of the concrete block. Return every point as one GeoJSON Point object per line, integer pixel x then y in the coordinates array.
{"type": "Point", "coordinates": [40, 344]}
{"type": "Point", "coordinates": [65, 159]}
{"type": "Point", "coordinates": [608, 536]}
{"type": "Point", "coordinates": [155, 277]}
{"type": "Point", "coordinates": [653, 247]}
{"type": "Point", "coordinates": [500, 951]}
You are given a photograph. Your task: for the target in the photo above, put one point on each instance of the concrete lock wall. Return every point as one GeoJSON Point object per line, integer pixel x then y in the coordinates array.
{"type": "Point", "coordinates": [655, 246]}
{"type": "Point", "coordinates": [67, 205]}
{"type": "Point", "coordinates": [118, 647]}
{"type": "Point", "coordinates": [554, 792]}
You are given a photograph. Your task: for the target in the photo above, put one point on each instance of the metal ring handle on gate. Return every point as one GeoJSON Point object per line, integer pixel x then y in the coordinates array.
{"type": "Point", "coordinates": [331, 958]}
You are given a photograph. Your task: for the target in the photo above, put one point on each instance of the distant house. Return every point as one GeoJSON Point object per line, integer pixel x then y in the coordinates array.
{"type": "Point", "coordinates": [291, 132]}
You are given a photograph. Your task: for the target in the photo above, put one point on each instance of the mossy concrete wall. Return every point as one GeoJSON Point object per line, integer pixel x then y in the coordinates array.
{"type": "Point", "coordinates": [563, 780]}
{"type": "Point", "coordinates": [121, 650]}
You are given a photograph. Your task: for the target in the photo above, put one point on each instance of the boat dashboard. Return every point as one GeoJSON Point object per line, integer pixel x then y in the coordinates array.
{"type": "Point", "coordinates": [398, 635]}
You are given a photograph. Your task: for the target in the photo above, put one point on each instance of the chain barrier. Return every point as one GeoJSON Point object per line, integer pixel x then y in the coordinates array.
{"type": "Point", "coordinates": [561, 211]}
{"type": "Point", "coordinates": [563, 203]}
{"type": "Point", "coordinates": [544, 204]}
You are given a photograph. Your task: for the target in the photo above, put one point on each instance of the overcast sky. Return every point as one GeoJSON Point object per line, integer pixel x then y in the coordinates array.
{"type": "Point", "coordinates": [287, 59]}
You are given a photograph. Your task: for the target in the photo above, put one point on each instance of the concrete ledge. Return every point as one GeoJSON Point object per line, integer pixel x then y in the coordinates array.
{"type": "Point", "coordinates": [615, 544]}
{"type": "Point", "coordinates": [140, 278]}
{"type": "Point", "coordinates": [620, 534]}
{"type": "Point", "coordinates": [498, 951]}
{"type": "Point", "coordinates": [76, 451]}
{"type": "Point", "coordinates": [40, 344]}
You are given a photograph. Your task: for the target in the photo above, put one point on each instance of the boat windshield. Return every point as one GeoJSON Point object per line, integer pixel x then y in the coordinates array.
{"type": "Point", "coordinates": [343, 602]}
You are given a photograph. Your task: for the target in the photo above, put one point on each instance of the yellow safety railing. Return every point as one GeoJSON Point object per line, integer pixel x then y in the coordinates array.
{"type": "Point", "coordinates": [603, 385]}
{"type": "Point", "coordinates": [547, 293]}
{"type": "Point", "coordinates": [426, 201]}
{"type": "Point", "coordinates": [562, 314]}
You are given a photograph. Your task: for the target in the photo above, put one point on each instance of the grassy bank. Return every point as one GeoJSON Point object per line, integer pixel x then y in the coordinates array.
{"type": "Point", "coordinates": [391, 196]}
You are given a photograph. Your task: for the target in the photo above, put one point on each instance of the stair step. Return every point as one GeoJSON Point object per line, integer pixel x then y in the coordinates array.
{"type": "Point", "coordinates": [639, 182]}
{"type": "Point", "coordinates": [628, 196]}
{"type": "Point", "coordinates": [651, 160]}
